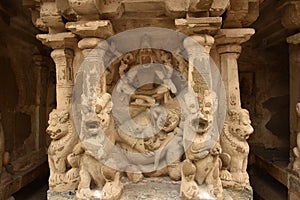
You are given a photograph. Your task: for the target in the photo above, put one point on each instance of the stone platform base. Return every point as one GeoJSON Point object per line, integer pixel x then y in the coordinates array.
{"type": "Point", "coordinates": [156, 189]}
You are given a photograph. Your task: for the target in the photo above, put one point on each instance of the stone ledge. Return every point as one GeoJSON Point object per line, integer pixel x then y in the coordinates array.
{"type": "Point", "coordinates": [12, 183]}
{"type": "Point", "coordinates": [277, 166]}
{"type": "Point", "coordinates": [156, 188]}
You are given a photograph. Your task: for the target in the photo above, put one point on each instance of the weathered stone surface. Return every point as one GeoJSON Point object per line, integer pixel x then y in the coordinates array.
{"type": "Point", "coordinates": [290, 14]}
{"type": "Point", "coordinates": [61, 195]}
{"type": "Point", "coordinates": [59, 40]}
{"type": "Point", "coordinates": [101, 28]}
{"type": "Point", "coordinates": [156, 188]}
{"type": "Point", "coordinates": [199, 19]}
{"type": "Point", "coordinates": [23, 101]}
{"type": "Point", "coordinates": [229, 47]}
{"type": "Point", "coordinates": [205, 25]}
{"type": "Point", "coordinates": [241, 13]}
{"type": "Point", "coordinates": [234, 36]}
{"type": "Point", "coordinates": [294, 39]}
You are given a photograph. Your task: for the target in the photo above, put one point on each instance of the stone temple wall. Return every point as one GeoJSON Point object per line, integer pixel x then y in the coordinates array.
{"type": "Point", "coordinates": [264, 82]}
{"type": "Point", "coordinates": [37, 77]}
{"type": "Point", "coordinates": [81, 159]}
{"type": "Point", "coordinates": [27, 96]}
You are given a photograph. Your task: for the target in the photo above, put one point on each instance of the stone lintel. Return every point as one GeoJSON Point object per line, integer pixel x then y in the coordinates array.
{"type": "Point", "coordinates": [100, 28]}
{"type": "Point", "coordinates": [234, 36]}
{"type": "Point", "coordinates": [294, 39]}
{"type": "Point", "coordinates": [64, 40]}
{"type": "Point", "coordinates": [202, 25]}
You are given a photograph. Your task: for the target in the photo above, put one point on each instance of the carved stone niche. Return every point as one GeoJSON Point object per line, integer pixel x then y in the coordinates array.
{"type": "Point", "coordinates": [155, 143]}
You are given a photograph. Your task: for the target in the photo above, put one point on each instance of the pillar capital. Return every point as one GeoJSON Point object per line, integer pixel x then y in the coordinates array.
{"type": "Point", "coordinates": [230, 48]}
{"type": "Point", "coordinates": [294, 39]}
{"type": "Point", "coordinates": [64, 40]}
{"type": "Point", "coordinates": [233, 36]}
{"type": "Point", "coordinates": [86, 9]}
{"type": "Point", "coordinates": [206, 41]}
{"type": "Point", "coordinates": [99, 28]}
{"type": "Point", "coordinates": [201, 25]}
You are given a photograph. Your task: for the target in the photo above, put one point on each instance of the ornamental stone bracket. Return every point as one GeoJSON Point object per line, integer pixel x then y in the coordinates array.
{"type": "Point", "coordinates": [99, 28]}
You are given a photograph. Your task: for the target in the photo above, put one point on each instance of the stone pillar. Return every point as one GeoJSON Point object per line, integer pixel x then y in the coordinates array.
{"type": "Point", "coordinates": [199, 57]}
{"type": "Point", "coordinates": [237, 128]}
{"type": "Point", "coordinates": [229, 47]}
{"type": "Point", "coordinates": [294, 51]}
{"type": "Point", "coordinates": [93, 33]}
{"type": "Point", "coordinates": [63, 59]}
{"type": "Point", "coordinates": [40, 121]}
{"type": "Point", "coordinates": [63, 54]}
{"type": "Point", "coordinates": [61, 130]}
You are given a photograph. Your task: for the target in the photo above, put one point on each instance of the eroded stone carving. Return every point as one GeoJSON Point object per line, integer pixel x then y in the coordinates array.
{"type": "Point", "coordinates": [4, 156]}
{"type": "Point", "coordinates": [204, 160]}
{"type": "Point", "coordinates": [145, 109]}
{"type": "Point", "coordinates": [92, 172]}
{"type": "Point", "coordinates": [296, 150]}
{"type": "Point", "coordinates": [97, 180]}
{"type": "Point", "coordinates": [63, 165]}
{"type": "Point", "coordinates": [2, 146]}
{"type": "Point", "coordinates": [235, 148]}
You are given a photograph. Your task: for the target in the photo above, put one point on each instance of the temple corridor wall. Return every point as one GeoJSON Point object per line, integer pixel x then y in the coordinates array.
{"type": "Point", "coordinates": [27, 96]}
{"type": "Point", "coordinates": [264, 83]}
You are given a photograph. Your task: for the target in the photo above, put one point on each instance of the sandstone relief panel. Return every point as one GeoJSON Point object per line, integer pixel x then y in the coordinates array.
{"type": "Point", "coordinates": [103, 128]}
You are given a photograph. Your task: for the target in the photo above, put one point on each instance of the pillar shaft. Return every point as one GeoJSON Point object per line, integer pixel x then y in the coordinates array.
{"type": "Point", "coordinates": [63, 59]}
{"type": "Point", "coordinates": [294, 51]}
{"type": "Point", "coordinates": [199, 57]}
{"type": "Point", "coordinates": [41, 99]}
{"type": "Point", "coordinates": [62, 55]}
{"type": "Point", "coordinates": [229, 48]}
